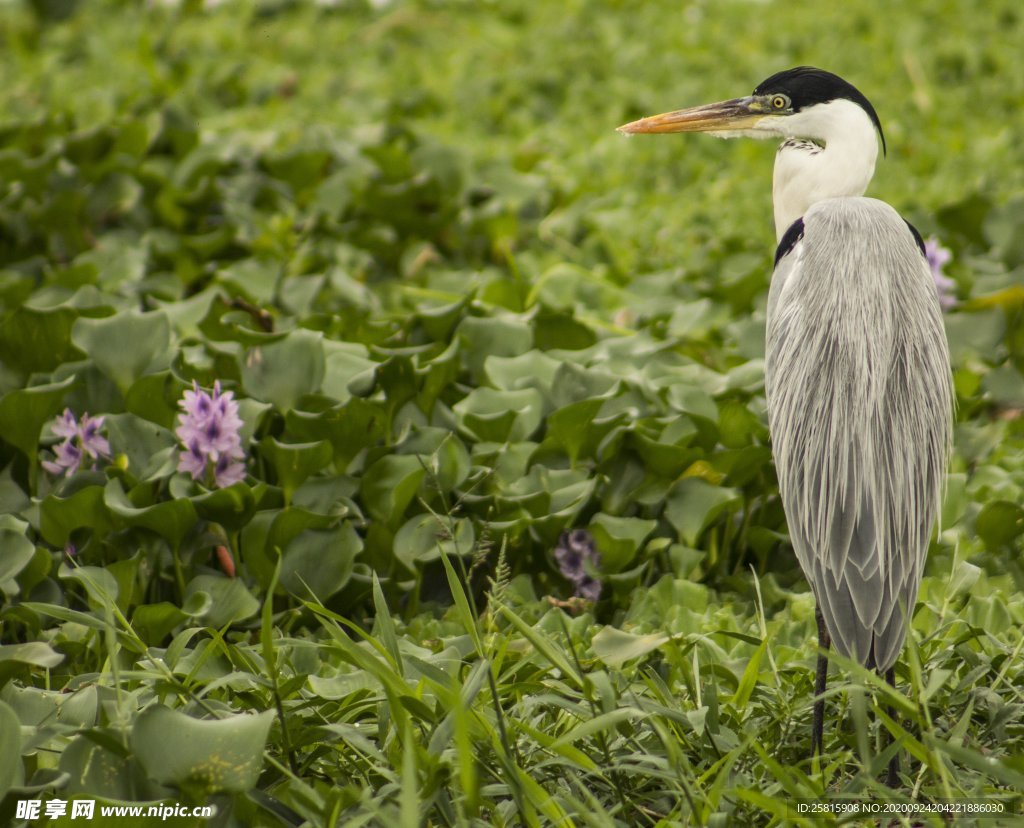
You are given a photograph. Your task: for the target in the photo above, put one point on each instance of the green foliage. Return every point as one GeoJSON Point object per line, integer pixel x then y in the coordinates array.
{"type": "Point", "coordinates": [200, 755]}
{"type": "Point", "coordinates": [461, 316]}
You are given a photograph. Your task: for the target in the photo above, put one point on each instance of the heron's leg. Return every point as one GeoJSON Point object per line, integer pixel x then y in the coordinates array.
{"type": "Point", "coordinates": [820, 680]}
{"type": "Point", "coordinates": [892, 778]}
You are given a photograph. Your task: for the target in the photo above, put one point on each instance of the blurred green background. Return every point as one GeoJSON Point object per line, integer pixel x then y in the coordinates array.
{"type": "Point", "coordinates": [543, 85]}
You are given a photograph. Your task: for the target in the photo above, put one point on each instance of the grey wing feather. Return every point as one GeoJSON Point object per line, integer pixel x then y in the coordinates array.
{"type": "Point", "coordinates": [860, 407]}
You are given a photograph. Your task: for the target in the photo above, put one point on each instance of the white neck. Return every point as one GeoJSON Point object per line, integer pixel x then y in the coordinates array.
{"type": "Point", "coordinates": [841, 165]}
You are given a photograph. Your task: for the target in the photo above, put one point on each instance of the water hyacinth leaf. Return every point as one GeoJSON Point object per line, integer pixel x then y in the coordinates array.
{"type": "Point", "coordinates": [562, 330]}
{"type": "Point", "coordinates": [171, 519]}
{"type": "Point", "coordinates": [115, 258]}
{"type": "Point", "coordinates": [36, 571]}
{"type": "Point", "coordinates": [389, 485]}
{"type": "Point", "coordinates": [506, 336]}
{"type": "Point", "coordinates": [60, 516]}
{"type": "Point", "coordinates": [436, 376]}
{"type": "Point", "coordinates": [442, 454]}
{"type": "Point", "coordinates": [615, 647]}
{"type": "Point", "coordinates": [13, 499]}
{"type": "Point", "coordinates": [144, 444]}
{"type": "Point", "coordinates": [232, 507]}
{"type": "Point", "coordinates": [350, 428]}
{"type": "Point", "coordinates": [554, 495]}
{"type": "Point", "coordinates": [126, 574]}
{"type": "Point", "coordinates": [227, 322]}
{"type": "Point", "coordinates": [741, 466]}
{"type": "Point", "coordinates": [34, 706]}
{"type": "Point", "coordinates": [154, 622]}
{"type": "Point", "coordinates": [694, 320]}
{"type": "Point", "coordinates": [298, 294]}
{"type": "Point", "coordinates": [282, 372]}
{"type": "Point", "coordinates": [569, 489]}
{"type": "Point", "coordinates": [288, 523]}
{"type": "Point", "coordinates": [693, 505]}
{"type": "Point", "coordinates": [619, 539]}
{"type": "Point", "coordinates": [738, 426]}
{"type": "Point", "coordinates": [80, 707]}
{"type": "Point", "coordinates": [255, 279]}
{"type": "Point", "coordinates": [99, 583]}
{"type": "Point", "coordinates": [625, 478]}
{"type": "Point", "coordinates": [32, 653]}
{"type": "Point", "coordinates": [125, 345]}
{"type": "Point", "coordinates": [11, 768]}
{"type": "Point", "coordinates": [508, 461]}
{"type": "Point", "coordinates": [20, 660]}
{"type": "Point", "coordinates": [572, 428]}
{"type": "Point", "coordinates": [672, 596]}
{"type": "Point", "coordinates": [439, 320]}
{"type": "Point", "coordinates": [664, 458]}
{"type": "Point", "coordinates": [24, 412]}
{"type": "Point", "coordinates": [230, 599]}
{"type": "Point", "coordinates": [534, 369]}
{"type": "Point", "coordinates": [1000, 523]}
{"type": "Point", "coordinates": [252, 413]}
{"type": "Point", "coordinates": [203, 756]}
{"type": "Point", "coordinates": [258, 556]}
{"type": "Point", "coordinates": [154, 398]}
{"type": "Point", "coordinates": [343, 363]}
{"type": "Point", "coordinates": [424, 538]}
{"type": "Point", "coordinates": [99, 765]}
{"type": "Point", "coordinates": [564, 285]}
{"type": "Point", "coordinates": [988, 612]}
{"type": "Point", "coordinates": [197, 604]}
{"type": "Point", "coordinates": [18, 550]}
{"type": "Point", "coordinates": [364, 383]}
{"type": "Point", "coordinates": [186, 314]}
{"type": "Point", "coordinates": [974, 334]}
{"type": "Point", "coordinates": [320, 561]}
{"type": "Point", "coordinates": [37, 341]}
{"type": "Point", "coordinates": [294, 462]}
{"type": "Point", "coordinates": [693, 400]}
{"type": "Point", "coordinates": [500, 416]}
{"type": "Point", "coordinates": [396, 377]}
{"type": "Point", "coordinates": [748, 376]}
{"type": "Point", "coordinates": [1005, 386]}
{"type": "Point", "coordinates": [330, 495]}
{"type": "Point", "coordinates": [573, 383]}
{"type": "Point", "coordinates": [963, 578]}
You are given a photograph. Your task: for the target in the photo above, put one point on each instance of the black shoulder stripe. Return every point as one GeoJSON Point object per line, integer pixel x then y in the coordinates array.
{"type": "Point", "coordinates": [917, 238]}
{"type": "Point", "coordinates": [789, 239]}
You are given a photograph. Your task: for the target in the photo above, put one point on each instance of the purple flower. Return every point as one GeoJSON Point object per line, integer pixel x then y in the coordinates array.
{"type": "Point", "coordinates": [938, 257]}
{"type": "Point", "coordinates": [81, 440]}
{"type": "Point", "coordinates": [208, 430]}
{"type": "Point", "coordinates": [577, 558]}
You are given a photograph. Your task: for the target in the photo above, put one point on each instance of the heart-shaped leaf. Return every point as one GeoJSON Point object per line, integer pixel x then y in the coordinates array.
{"type": "Point", "coordinates": [283, 371]}
{"type": "Point", "coordinates": [125, 345]}
{"type": "Point", "coordinates": [294, 462]}
{"type": "Point", "coordinates": [201, 755]}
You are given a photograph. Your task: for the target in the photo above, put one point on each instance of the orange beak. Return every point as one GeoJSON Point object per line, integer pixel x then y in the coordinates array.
{"type": "Point", "coordinates": [726, 117]}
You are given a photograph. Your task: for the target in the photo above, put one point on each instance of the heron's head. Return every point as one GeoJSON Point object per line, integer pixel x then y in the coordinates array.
{"type": "Point", "coordinates": [798, 103]}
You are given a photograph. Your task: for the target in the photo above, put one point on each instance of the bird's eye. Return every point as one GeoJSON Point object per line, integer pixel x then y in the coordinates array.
{"type": "Point", "coordinates": [780, 102]}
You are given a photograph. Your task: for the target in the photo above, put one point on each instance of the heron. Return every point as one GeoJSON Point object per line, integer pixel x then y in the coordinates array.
{"type": "Point", "coordinates": [857, 372]}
